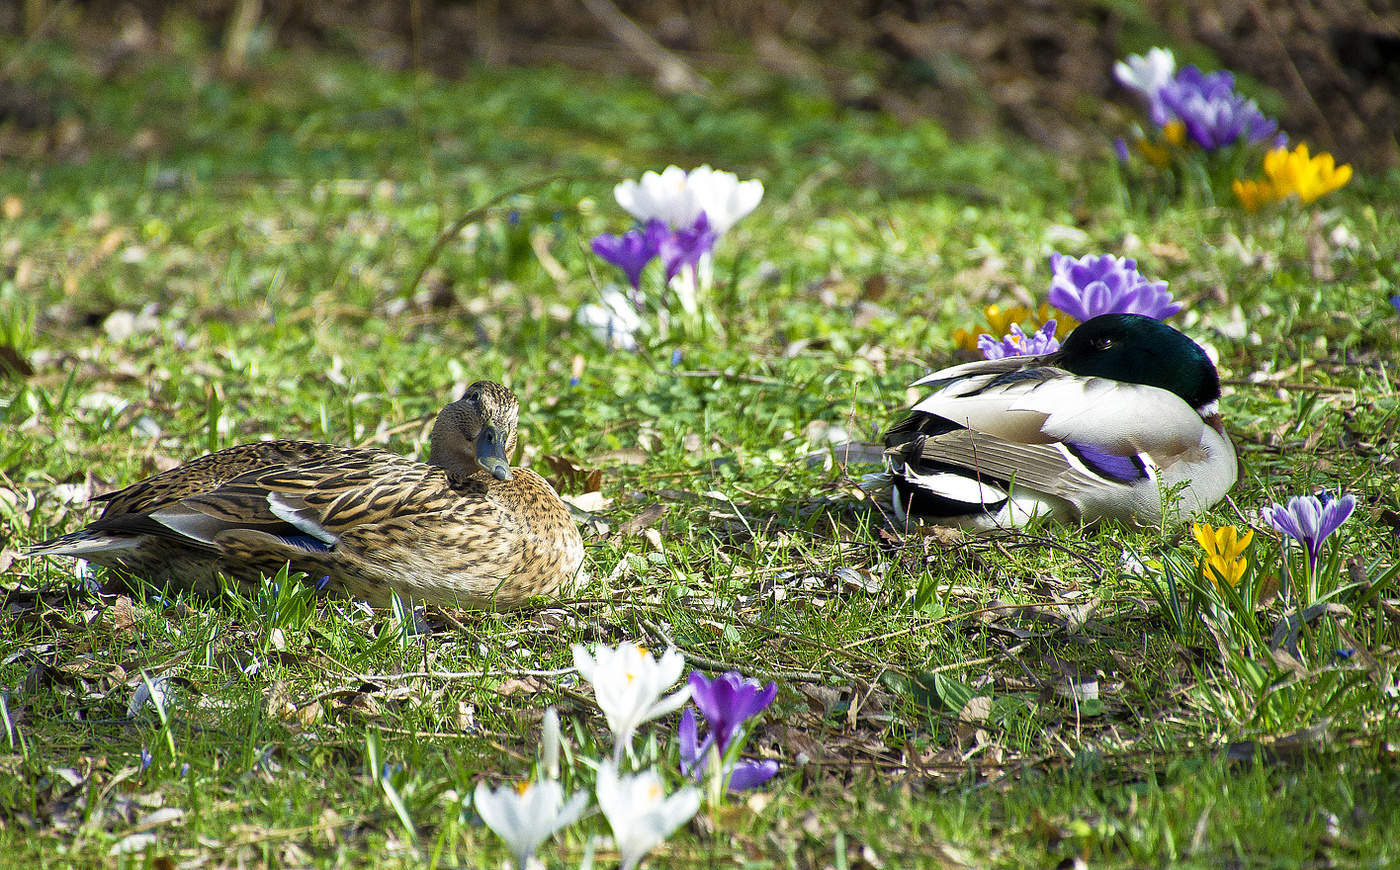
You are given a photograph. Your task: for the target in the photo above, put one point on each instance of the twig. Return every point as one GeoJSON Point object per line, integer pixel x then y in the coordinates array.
{"type": "Point", "coordinates": [461, 675]}
{"type": "Point", "coordinates": [1278, 385]}
{"type": "Point", "coordinates": [476, 214]}
{"type": "Point", "coordinates": [1265, 23]}
{"type": "Point", "coordinates": [791, 676]}
{"type": "Point", "coordinates": [672, 73]}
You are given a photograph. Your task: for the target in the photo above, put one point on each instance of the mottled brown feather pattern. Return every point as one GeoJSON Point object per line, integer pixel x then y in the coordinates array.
{"type": "Point", "coordinates": [375, 522]}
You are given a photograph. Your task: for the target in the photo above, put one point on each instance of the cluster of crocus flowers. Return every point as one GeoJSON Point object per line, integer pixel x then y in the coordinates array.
{"type": "Point", "coordinates": [1292, 173]}
{"type": "Point", "coordinates": [1224, 562]}
{"type": "Point", "coordinates": [1080, 288]}
{"type": "Point", "coordinates": [999, 322]}
{"type": "Point", "coordinates": [1089, 286]}
{"type": "Point", "coordinates": [1017, 343]}
{"type": "Point", "coordinates": [728, 703]}
{"type": "Point", "coordinates": [1190, 104]}
{"type": "Point", "coordinates": [680, 216]}
{"type": "Point", "coordinates": [630, 686]}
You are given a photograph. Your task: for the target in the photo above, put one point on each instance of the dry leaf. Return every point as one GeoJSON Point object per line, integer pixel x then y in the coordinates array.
{"type": "Point", "coordinates": [309, 714]}
{"type": "Point", "coordinates": [587, 501]}
{"type": "Point", "coordinates": [524, 685]}
{"type": "Point", "coordinates": [624, 456]}
{"type": "Point", "coordinates": [976, 710]}
{"type": "Point", "coordinates": [277, 701]}
{"type": "Point", "coordinates": [648, 517]}
{"type": "Point", "coordinates": [568, 474]}
{"type": "Point", "coordinates": [123, 614]}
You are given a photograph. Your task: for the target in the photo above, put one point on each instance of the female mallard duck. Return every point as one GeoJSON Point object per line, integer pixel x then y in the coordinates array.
{"type": "Point", "coordinates": [1124, 415]}
{"type": "Point", "coordinates": [462, 529]}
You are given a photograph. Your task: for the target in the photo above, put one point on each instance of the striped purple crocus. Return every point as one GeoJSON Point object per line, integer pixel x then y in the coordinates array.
{"type": "Point", "coordinates": [1310, 520]}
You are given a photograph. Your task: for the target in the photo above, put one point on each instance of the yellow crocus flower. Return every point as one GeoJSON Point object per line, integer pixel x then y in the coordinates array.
{"type": "Point", "coordinates": [1296, 172]}
{"type": "Point", "coordinates": [1175, 133]}
{"type": "Point", "coordinates": [1224, 547]}
{"type": "Point", "coordinates": [1252, 194]}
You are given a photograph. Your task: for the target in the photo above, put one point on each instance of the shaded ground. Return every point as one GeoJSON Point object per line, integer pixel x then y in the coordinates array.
{"type": "Point", "coordinates": [1040, 69]}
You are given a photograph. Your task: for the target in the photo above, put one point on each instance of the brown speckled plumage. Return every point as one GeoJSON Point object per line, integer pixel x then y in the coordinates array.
{"type": "Point", "coordinates": [463, 529]}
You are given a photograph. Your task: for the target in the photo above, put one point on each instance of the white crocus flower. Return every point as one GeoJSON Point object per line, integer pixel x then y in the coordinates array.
{"type": "Point", "coordinates": [640, 813]}
{"type": "Point", "coordinates": [678, 197]}
{"type": "Point", "coordinates": [628, 684]}
{"type": "Point", "coordinates": [615, 321]}
{"type": "Point", "coordinates": [524, 816]}
{"type": "Point", "coordinates": [1146, 74]}
{"type": "Point", "coordinates": [723, 197]}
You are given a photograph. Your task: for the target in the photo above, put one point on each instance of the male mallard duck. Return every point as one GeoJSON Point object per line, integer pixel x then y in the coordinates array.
{"type": "Point", "coordinates": [464, 528]}
{"type": "Point", "coordinates": [1125, 412]}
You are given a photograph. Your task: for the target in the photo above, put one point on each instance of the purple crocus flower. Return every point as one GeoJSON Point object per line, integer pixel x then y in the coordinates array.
{"type": "Point", "coordinates": [1090, 286]}
{"type": "Point", "coordinates": [1120, 148]}
{"type": "Point", "coordinates": [743, 775]}
{"type": "Point", "coordinates": [1213, 113]}
{"type": "Point", "coordinates": [685, 247]}
{"type": "Point", "coordinates": [1309, 520]}
{"type": "Point", "coordinates": [632, 251]}
{"type": "Point", "coordinates": [1020, 344]}
{"type": "Point", "coordinates": [728, 701]}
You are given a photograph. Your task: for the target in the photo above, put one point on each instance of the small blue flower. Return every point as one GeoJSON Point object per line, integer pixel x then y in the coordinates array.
{"type": "Point", "coordinates": [574, 381]}
{"type": "Point", "coordinates": [1120, 148]}
{"type": "Point", "coordinates": [146, 758]}
{"type": "Point", "coordinates": [676, 354]}
{"type": "Point", "coordinates": [1395, 301]}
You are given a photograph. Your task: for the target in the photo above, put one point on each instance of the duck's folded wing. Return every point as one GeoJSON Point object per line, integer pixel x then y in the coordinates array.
{"type": "Point", "coordinates": [1045, 406]}
{"type": "Point", "coordinates": [204, 474]}
{"type": "Point", "coordinates": [1059, 469]}
{"type": "Point", "coordinates": [308, 506]}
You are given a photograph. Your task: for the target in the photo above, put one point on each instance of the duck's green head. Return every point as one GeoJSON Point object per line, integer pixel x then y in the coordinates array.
{"type": "Point", "coordinates": [1141, 350]}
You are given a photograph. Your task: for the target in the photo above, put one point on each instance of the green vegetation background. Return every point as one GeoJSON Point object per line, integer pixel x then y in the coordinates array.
{"type": "Point", "coordinates": [189, 261]}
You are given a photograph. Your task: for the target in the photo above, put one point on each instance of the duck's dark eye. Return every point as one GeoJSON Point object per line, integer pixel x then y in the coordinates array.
{"type": "Point", "coordinates": [1102, 343]}
{"type": "Point", "coordinates": [473, 396]}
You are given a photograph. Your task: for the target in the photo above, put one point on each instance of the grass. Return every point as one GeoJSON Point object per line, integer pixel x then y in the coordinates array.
{"type": "Point", "coordinates": [205, 262]}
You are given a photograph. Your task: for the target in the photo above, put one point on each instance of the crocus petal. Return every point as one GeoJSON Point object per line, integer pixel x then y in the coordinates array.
{"type": "Point", "coordinates": [685, 247]}
{"type": "Point", "coordinates": [751, 774]}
